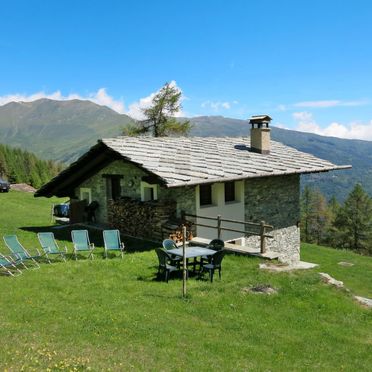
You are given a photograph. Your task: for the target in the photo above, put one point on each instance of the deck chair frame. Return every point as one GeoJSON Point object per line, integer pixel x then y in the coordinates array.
{"type": "Point", "coordinates": [24, 255]}
{"type": "Point", "coordinates": [47, 249]}
{"type": "Point", "coordinates": [6, 263]}
{"type": "Point", "coordinates": [120, 247]}
{"type": "Point", "coordinates": [89, 246]}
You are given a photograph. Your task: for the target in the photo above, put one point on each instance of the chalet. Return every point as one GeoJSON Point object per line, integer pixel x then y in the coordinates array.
{"type": "Point", "coordinates": [144, 184]}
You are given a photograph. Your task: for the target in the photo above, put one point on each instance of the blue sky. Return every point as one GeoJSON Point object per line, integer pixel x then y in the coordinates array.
{"type": "Point", "coordinates": [306, 63]}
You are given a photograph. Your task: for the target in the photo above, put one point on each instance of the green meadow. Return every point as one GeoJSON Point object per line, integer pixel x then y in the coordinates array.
{"type": "Point", "coordinates": [115, 315]}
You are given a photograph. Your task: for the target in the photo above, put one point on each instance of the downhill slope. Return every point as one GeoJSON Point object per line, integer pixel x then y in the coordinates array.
{"type": "Point", "coordinates": [114, 315]}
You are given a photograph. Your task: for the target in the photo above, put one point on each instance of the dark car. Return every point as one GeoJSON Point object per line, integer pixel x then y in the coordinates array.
{"type": "Point", "coordinates": [4, 185]}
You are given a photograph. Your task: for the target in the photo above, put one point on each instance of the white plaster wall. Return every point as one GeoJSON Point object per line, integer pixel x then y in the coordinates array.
{"type": "Point", "coordinates": [231, 210]}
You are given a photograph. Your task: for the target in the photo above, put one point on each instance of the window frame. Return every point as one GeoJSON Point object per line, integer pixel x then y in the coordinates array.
{"type": "Point", "coordinates": [230, 192]}
{"type": "Point", "coordinates": [205, 195]}
{"type": "Point", "coordinates": [145, 185]}
{"type": "Point", "coordinates": [87, 190]}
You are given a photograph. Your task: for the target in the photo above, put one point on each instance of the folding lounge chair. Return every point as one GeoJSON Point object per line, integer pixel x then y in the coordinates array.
{"type": "Point", "coordinates": [111, 239]}
{"type": "Point", "coordinates": [80, 240]}
{"type": "Point", "coordinates": [50, 246]}
{"type": "Point", "coordinates": [8, 265]}
{"type": "Point", "coordinates": [20, 252]}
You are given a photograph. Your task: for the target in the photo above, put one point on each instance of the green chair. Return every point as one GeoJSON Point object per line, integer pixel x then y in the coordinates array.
{"type": "Point", "coordinates": [8, 265]}
{"type": "Point", "coordinates": [164, 267]}
{"type": "Point", "coordinates": [50, 246]}
{"type": "Point", "coordinates": [81, 243]}
{"type": "Point", "coordinates": [112, 242]}
{"type": "Point", "coordinates": [170, 244]}
{"type": "Point", "coordinates": [214, 245]}
{"type": "Point", "coordinates": [20, 252]}
{"type": "Point", "coordinates": [215, 264]}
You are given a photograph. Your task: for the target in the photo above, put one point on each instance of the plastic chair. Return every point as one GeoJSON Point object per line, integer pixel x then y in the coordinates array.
{"type": "Point", "coordinates": [215, 245]}
{"type": "Point", "coordinates": [215, 264]}
{"type": "Point", "coordinates": [164, 267]}
{"type": "Point", "coordinates": [170, 244]}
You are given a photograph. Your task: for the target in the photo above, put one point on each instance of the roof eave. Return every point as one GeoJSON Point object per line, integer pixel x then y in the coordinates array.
{"type": "Point", "coordinates": [261, 175]}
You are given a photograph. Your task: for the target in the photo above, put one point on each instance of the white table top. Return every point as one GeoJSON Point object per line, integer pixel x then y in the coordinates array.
{"type": "Point", "coordinates": [192, 252]}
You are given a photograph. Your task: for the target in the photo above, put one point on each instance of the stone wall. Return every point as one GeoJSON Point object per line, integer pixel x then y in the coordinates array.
{"type": "Point", "coordinates": [184, 196]}
{"type": "Point", "coordinates": [130, 185]}
{"type": "Point", "coordinates": [276, 200]}
{"type": "Point", "coordinates": [129, 214]}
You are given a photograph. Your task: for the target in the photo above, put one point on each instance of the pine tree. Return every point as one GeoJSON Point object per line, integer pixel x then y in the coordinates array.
{"type": "Point", "coordinates": [159, 117]}
{"type": "Point", "coordinates": [315, 218]}
{"type": "Point", "coordinates": [332, 234]}
{"type": "Point", "coordinates": [321, 218]}
{"type": "Point", "coordinates": [354, 221]}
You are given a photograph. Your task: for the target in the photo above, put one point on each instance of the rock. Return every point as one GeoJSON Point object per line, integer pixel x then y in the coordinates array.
{"type": "Point", "coordinates": [346, 264]}
{"type": "Point", "coordinates": [364, 301]}
{"type": "Point", "coordinates": [260, 288]}
{"type": "Point", "coordinates": [332, 281]}
{"type": "Point", "coordinates": [283, 267]}
{"type": "Point", "coordinates": [22, 187]}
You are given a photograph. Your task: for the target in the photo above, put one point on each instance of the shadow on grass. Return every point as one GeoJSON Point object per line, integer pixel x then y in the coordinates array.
{"type": "Point", "coordinates": [63, 232]}
{"type": "Point", "coordinates": [175, 275]}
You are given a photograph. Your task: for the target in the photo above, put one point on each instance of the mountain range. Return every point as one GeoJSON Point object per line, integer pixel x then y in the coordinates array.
{"type": "Point", "coordinates": [63, 130]}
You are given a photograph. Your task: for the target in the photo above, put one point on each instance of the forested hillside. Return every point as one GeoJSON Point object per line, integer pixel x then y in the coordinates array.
{"type": "Point", "coordinates": [19, 166]}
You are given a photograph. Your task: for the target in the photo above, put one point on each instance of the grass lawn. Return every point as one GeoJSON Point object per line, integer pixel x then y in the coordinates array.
{"type": "Point", "coordinates": [113, 314]}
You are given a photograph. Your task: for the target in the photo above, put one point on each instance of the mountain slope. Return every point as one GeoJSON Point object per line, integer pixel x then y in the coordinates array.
{"type": "Point", "coordinates": [59, 130]}
{"type": "Point", "coordinates": [63, 130]}
{"type": "Point", "coordinates": [339, 151]}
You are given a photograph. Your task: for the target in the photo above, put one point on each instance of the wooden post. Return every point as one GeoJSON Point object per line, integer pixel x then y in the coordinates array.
{"type": "Point", "coordinates": [52, 215]}
{"type": "Point", "coordinates": [184, 270]}
{"type": "Point", "coordinates": [219, 226]}
{"type": "Point", "coordinates": [262, 234]}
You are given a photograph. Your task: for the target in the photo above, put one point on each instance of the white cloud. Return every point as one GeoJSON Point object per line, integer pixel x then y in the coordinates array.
{"type": "Point", "coordinates": [329, 103]}
{"type": "Point", "coordinates": [218, 105]}
{"type": "Point", "coordinates": [135, 109]}
{"type": "Point", "coordinates": [306, 123]}
{"type": "Point", "coordinates": [100, 97]}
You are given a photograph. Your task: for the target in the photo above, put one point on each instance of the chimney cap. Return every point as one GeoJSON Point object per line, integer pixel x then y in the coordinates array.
{"type": "Point", "coordinates": [260, 119]}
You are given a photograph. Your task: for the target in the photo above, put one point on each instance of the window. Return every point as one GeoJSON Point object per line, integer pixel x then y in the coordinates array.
{"type": "Point", "coordinates": [86, 194]}
{"type": "Point", "coordinates": [113, 188]}
{"type": "Point", "coordinates": [229, 191]}
{"type": "Point", "coordinates": [148, 192]}
{"type": "Point", "coordinates": [205, 194]}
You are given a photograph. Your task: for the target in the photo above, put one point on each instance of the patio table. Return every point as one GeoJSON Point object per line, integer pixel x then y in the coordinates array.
{"type": "Point", "coordinates": [192, 252]}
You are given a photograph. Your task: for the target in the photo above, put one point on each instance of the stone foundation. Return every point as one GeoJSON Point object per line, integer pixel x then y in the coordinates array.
{"type": "Point", "coordinates": [286, 242]}
{"type": "Point", "coordinates": [276, 200]}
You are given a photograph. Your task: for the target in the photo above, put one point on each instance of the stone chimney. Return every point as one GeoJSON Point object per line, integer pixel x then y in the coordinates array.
{"type": "Point", "coordinates": [260, 133]}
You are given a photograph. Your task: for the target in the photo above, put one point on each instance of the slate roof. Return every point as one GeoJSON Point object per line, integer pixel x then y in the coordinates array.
{"type": "Point", "coordinates": [196, 160]}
